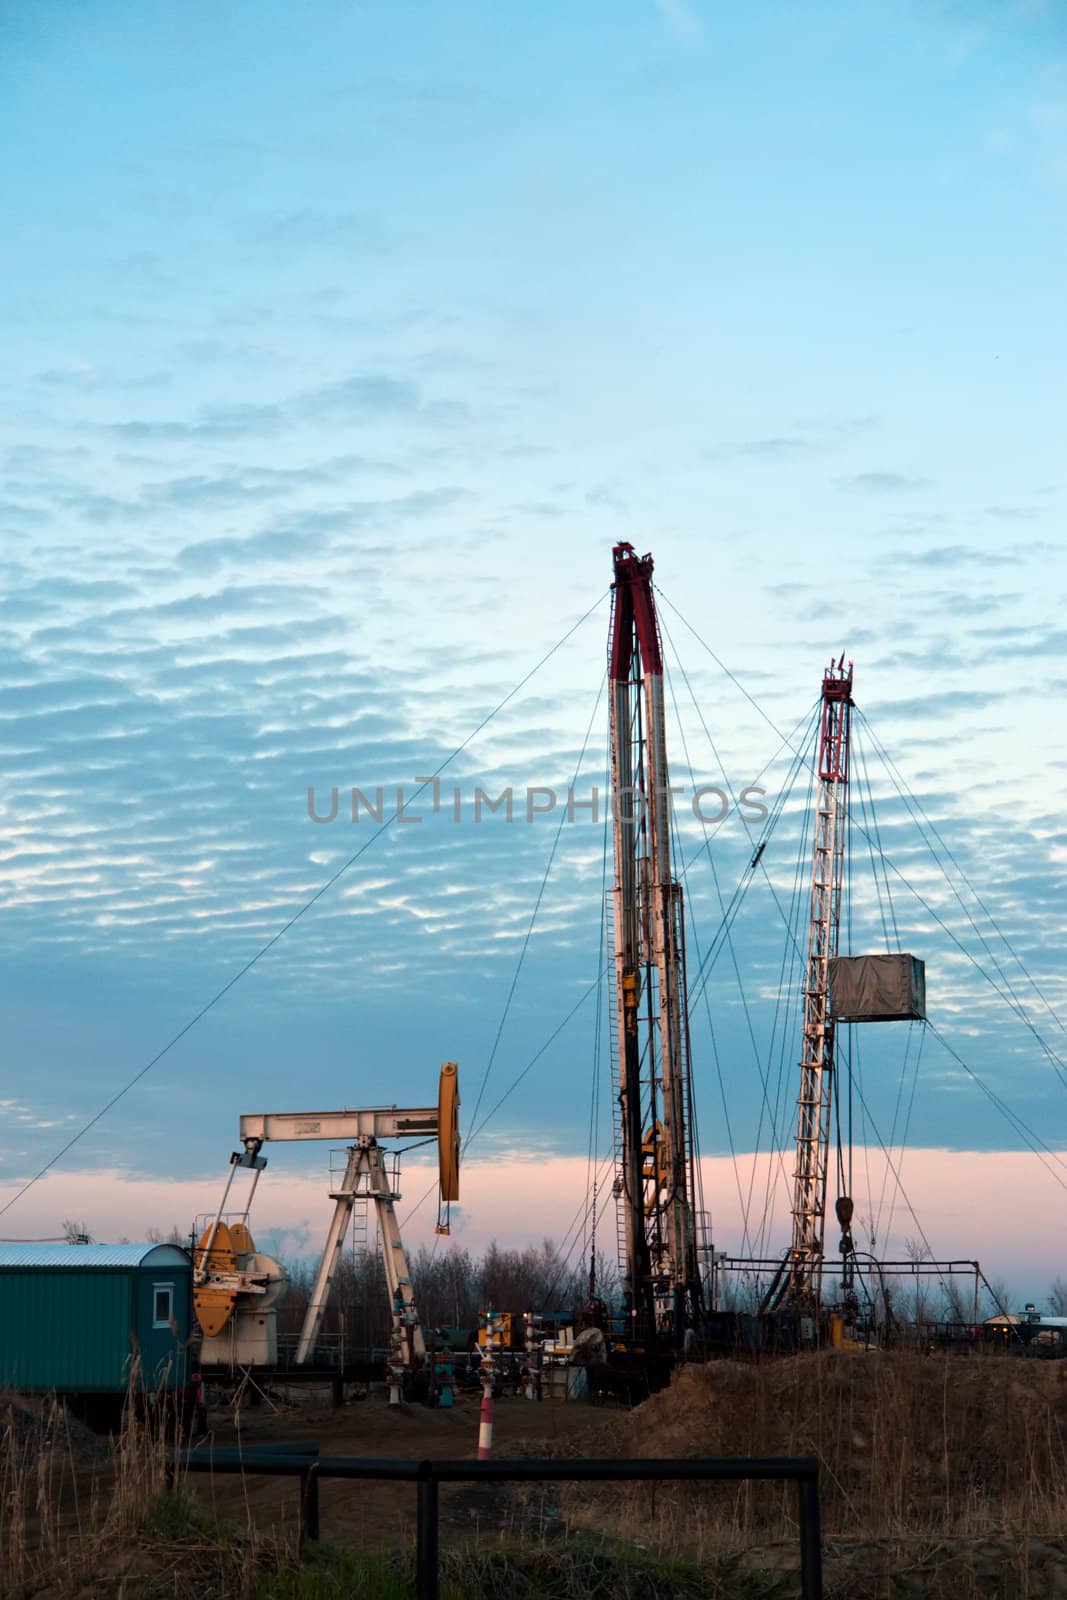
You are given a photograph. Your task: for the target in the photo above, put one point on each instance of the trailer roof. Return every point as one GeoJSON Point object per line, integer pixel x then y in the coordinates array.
{"type": "Point", "coordinates": [83, 1257]}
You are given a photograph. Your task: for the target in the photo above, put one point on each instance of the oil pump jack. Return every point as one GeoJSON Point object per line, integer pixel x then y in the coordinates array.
{"type": "Point", "coordinates": [235, 1288]}
{"type": "Point", "coordinates": [656, 1162]}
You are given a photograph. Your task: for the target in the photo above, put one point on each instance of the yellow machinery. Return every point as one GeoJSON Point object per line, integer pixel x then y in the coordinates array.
{"type": "Point", "coordinates": [232, 1280]}
{"type": "Point", "coordinates": [840, 1337]}
{"type": "Point", "coordinates": [496, 1331]}
{"type": "Point", "coordinates": [235, 1287]}
{"type": "Point", "coordinates": [236, 1291]}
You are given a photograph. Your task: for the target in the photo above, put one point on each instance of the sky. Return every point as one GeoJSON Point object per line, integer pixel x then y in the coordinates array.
{"type": "Point", "coordinates": [342, 342]}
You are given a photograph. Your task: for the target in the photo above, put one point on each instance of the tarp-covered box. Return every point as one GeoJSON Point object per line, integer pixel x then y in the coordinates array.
{"type": "Point", "coordinates": [889, 988]}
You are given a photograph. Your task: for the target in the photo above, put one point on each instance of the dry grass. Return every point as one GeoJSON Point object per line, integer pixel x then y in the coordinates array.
{"type": "Point", "coordinates": [944, 1445]}
{"type": "Point", "coordinates": [941, 1476]}
{"type": "Point", "coordinates": [70, 1502]}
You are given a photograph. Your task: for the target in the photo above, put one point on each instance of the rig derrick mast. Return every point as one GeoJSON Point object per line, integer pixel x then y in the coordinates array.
{"type": "Point", "coordinates": [803, 1279]}
{"type": "Point", "coordinates": [655, 1182]}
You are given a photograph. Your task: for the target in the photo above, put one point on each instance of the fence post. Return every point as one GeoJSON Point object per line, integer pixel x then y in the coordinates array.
{"type": "Point", "coordinates": [309, 1503]}
{"type": "Point", "coordinates": [810, 1536]}
{"type": "Point", "coordinates": [427, 1475]}
{"type": "Point", "coordinates": [426, 1534]}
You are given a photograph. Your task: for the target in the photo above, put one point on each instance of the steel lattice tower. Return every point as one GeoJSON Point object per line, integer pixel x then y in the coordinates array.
{"type": "Point", "coordinates": [656, 1162]}
{"type": "Point", "coordinates": [804, 1282]}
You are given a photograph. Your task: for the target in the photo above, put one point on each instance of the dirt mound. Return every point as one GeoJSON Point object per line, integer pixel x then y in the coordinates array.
{"type": "Point", "coordinates": [32, 1428]}
{"type": "Point", "coordinates": [907, 1443]}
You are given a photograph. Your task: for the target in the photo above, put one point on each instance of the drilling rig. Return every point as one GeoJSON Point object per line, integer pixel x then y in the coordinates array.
{"type": "Point", "coordinates": [801, 1285]}
{"type": "Point", "coordinates": [656, 1179]}
{"type": "Point", "coordinates": [886, 987]}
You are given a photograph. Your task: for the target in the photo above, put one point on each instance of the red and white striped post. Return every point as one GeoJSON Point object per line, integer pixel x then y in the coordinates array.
{"type": "Point", "coordinates": [488, 1376]}
{"type": "Point", "coordinates": [485, 1420]}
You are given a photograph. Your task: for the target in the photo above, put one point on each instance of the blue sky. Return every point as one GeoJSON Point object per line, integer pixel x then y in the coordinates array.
{"type": "Point", "coordinates": [341, 343]}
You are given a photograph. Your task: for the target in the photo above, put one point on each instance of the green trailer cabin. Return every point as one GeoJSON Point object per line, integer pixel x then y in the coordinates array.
{"type": "Point", "coordinates": [73, 1317]}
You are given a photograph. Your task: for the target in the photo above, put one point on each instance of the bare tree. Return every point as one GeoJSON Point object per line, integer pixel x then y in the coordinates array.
{"type": "Point", "coordinates": [450, 1287]}
{"type": "Point", "coordinates": [75, 1232]}
{"type": "Point", "coordinates": [920, 1306]}
{"type": "Point", "coordinates": [532, 1279]}
{"type": "Point", "coordinates": [608, 1280]}
{"type": "Point", "coordinates": [175, 1236]}
{"type": "Point", "coordinates": [998, 1292]}
{"type": "Point", "coordinates": [1057, 1297]}
{"type": "Point", "coordinates": [957, 1298]}
{"type": "Point", "coordinates": [359, 1314]}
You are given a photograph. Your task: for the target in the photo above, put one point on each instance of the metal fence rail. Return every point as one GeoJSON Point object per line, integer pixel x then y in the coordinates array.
{"type": "Point", "coordinates": [303, 1461]}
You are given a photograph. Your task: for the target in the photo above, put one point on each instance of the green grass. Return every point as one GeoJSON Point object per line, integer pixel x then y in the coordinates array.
{"type": "Point", "coordinates": [328, 1573]}
{"type": "Point", "coordinates": [526, 1572]}
{"type": "Point", "coordinates": [174, 1514]}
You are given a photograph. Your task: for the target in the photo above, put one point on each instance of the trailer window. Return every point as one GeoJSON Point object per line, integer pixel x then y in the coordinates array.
{"type": "Point", "coordinates": [162, 1305]}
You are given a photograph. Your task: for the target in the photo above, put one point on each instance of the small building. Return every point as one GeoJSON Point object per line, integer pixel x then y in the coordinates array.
{"type": "Point", "coordinates": [84, 1319]}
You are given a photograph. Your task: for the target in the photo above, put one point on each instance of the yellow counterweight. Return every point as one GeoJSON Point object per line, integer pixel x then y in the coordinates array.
{"type": "Point", "coordinates": [448, 1140]}
{"type": "Point", "coordinates": [214, 1304]}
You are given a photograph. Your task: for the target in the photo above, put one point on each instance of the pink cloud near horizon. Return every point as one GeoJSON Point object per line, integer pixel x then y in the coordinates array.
{"type": "Point", "coordinates": [999, 1207]}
